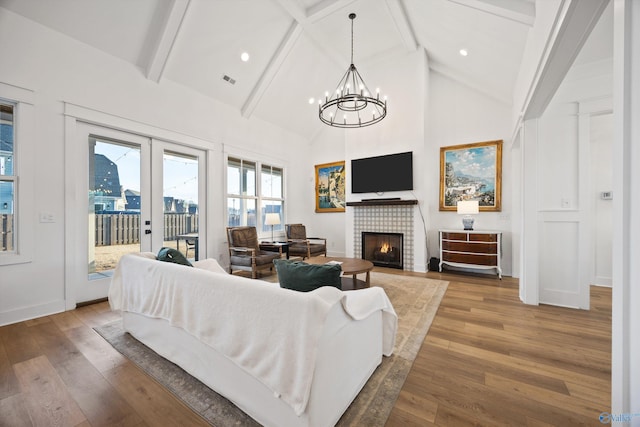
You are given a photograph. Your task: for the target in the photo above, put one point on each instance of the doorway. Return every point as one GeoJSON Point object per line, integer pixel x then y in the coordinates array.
{"type": "Point", "coordinates": [601, 176]}
{"type": "Point", "coordinates": [143, 194]}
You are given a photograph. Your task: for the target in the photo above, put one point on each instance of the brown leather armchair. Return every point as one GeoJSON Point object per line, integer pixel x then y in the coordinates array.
{"type": "Point", "coordinates": [303, 246]}
{"type": "Point", "coordinates": [245, 253]}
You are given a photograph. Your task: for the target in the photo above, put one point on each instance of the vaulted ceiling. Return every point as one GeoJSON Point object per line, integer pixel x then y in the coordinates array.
{"type": "Point", "coordinates": [297, 48]}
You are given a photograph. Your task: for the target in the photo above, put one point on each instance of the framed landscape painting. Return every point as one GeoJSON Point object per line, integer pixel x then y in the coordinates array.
{"type": "Point", "coordinates": [330, 187]}
{"type": "Point", "coordinates": [471, 172]}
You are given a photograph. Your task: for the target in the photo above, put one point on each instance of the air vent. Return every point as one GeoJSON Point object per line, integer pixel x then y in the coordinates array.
{"type": "Point", "coordinates": [228, 79]}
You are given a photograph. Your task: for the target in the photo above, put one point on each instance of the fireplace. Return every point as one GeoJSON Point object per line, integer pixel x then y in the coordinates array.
{"type": "Point", "coordinates": [383, 249]}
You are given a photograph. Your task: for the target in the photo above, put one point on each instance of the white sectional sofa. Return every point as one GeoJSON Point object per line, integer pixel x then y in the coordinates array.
{"type": "Point", "coordinates": [286, 358]}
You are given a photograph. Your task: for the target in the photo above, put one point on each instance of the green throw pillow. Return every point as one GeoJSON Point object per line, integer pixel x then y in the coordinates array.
{"type": "Point", "coordinates": [300, 276]}
{"type": "Point", "coordinates": [173, 255]}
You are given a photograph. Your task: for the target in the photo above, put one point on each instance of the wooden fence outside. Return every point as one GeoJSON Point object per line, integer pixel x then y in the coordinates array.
{"type": "Point", "coordinates": [115, 229]}
{"type": "Point", "coordinates": [124, 229]}
{"type": "Point", "coordinates": [6, 232]}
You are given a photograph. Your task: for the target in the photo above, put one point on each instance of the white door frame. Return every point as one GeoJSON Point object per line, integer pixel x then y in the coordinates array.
{"type": "Point", "coordinates": [75, 192]}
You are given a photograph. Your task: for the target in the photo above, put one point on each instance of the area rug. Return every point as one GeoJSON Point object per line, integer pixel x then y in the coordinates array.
{"type": "Point", "coordinates": [415, 299]}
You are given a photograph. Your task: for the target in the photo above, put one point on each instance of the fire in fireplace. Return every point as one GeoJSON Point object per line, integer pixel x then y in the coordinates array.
{"type": "Point", "coordinates": [383, 249]}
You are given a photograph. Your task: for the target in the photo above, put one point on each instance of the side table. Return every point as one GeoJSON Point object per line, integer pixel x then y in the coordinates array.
{"type": "Point", "coordinates": [281, 247]}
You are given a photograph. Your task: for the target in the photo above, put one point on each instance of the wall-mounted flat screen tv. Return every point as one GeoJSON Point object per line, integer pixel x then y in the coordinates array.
{"type": "Point", "coordinates": [392, 172]}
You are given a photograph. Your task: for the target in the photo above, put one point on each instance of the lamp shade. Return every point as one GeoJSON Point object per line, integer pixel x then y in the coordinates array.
{"type": "Point", "coordinates": [468, 207]}
{"type": "Point", "coordinates": [272, 219]}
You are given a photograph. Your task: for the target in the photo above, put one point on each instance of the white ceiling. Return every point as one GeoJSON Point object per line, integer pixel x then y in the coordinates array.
{"type": "Point", "coordinates": [297, 48]}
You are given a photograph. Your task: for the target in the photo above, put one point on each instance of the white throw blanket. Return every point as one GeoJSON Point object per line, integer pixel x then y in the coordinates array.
{"type": "Point", "coordinates": [271, 333]}
{"type": "Point", "coordinates": [362, 303]}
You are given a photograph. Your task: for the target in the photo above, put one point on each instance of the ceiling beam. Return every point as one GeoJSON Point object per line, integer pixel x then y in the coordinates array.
{"type": "Point", "coordinates": [167, 34]}
{"type": "Point", "coordinates": [305, 18]}
{"type": "Point", "coordinates": [400, 19]}
{"type": "Point", "coordinates": [523, 12]}
{"type": "Point", "coordinates": [325, 8]}
{"type": "Point", "coordinates": [301, 22]}
{"type": "Point", "coordinates": [288, 42]}
{"type": "Point", "coordinates": [565, 43]}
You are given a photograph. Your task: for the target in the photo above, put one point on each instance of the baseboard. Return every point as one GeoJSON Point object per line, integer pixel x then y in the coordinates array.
{"type": "Point", "coordinates": [603, 281]}
{"type": "Point", "coordinates": [32, 312]}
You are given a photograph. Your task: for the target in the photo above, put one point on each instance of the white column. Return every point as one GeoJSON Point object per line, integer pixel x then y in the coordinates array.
{"type": "Point", "coordinates": [529, 287]}
{"type": "Point", "coordinates": [625, 365]}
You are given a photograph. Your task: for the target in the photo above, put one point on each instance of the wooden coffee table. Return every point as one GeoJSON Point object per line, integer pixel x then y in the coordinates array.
{"type": "Point", "coordinates": [350, 267]}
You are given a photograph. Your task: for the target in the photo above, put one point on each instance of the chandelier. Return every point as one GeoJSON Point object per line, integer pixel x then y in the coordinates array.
{"type": "Point", "coordinates": [352, 105]}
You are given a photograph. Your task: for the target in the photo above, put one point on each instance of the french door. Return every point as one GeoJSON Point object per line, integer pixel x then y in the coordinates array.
{"type": "Point", "coordinates": [142, 194]}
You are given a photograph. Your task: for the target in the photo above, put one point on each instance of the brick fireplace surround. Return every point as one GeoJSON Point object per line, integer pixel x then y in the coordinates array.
{"type": "Point", "coordinates": [385, 218]}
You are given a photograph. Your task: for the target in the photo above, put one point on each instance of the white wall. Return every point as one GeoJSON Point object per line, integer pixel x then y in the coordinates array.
{"type": "Point", "coordinates": [402, 130]}
{"type": "Point", "coordinates": [462, 115]}
{"type": "Point", "coordinates": [327, 147]}
{"type": "Point", "coordinates": [447, 113]}
{"type": "Point", "coordinates": [59, 69]}
{"type": "Point", "coordinates": [566, 224]}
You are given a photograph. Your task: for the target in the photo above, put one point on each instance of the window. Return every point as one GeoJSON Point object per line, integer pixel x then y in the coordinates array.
{"type": "Point", "coordinates": [271, 192]}
{"type": "Point", "coordinates": [245, 193]}
{"type": "Point", "coordinates": [7, 177]}
{"type": "Point", "coordinates": [17, 175]}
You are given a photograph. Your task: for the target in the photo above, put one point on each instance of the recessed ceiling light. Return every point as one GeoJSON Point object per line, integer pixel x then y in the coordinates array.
{"type": "Point", "coordinates": [311, 100]}
{"type": "Point", "coordinates": [464, 52]}
{"type": "Point", "coordinates": [244, 56]}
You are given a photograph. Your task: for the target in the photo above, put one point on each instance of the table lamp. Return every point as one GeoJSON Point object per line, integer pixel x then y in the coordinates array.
{"type": "Point", "coordinates": [272, 219]}
{"type": "Point", "coordinates": [467, 208]}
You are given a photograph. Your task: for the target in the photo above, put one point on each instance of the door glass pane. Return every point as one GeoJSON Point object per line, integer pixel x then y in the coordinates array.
{"type": "Point", "coordinates": [114, 204]}
{"type": "Point", "coordinates": [180, 195]}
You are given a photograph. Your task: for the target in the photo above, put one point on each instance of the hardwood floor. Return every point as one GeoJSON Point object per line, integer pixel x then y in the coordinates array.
{"type": "Point", "coordinates": [487, 360]}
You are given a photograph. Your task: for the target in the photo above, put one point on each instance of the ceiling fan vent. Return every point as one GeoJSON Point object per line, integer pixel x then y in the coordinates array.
{"type": "Point", "coordinates": [228, 79]}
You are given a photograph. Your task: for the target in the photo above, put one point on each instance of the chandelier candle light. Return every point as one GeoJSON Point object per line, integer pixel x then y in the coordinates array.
{"type": "Point", "coordinates": [352, 105]}
{"type": "Point", "coordinates": [467, 208]}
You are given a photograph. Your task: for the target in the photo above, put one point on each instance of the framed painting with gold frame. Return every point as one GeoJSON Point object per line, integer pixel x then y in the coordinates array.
{"type": "Point", "coordinates": [471, 172]}
{"type": "Point", "coordinates": [330, 187]}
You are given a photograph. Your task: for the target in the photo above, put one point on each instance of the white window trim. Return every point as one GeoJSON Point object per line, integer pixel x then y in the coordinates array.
{"type": "Point", "coordinates": [23, 175]}
{"type": "Point", "coordinates": [258, 197]}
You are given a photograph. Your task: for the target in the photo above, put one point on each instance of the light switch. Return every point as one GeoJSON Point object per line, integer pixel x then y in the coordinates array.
{"type": "Point", "coordinates": [606, 195]}
{"type": "Point", "coordinates": [47, 217]}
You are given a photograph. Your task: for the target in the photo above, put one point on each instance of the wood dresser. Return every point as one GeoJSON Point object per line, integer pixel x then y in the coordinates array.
{"type": "Point", "coordinates": [471, 249]}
